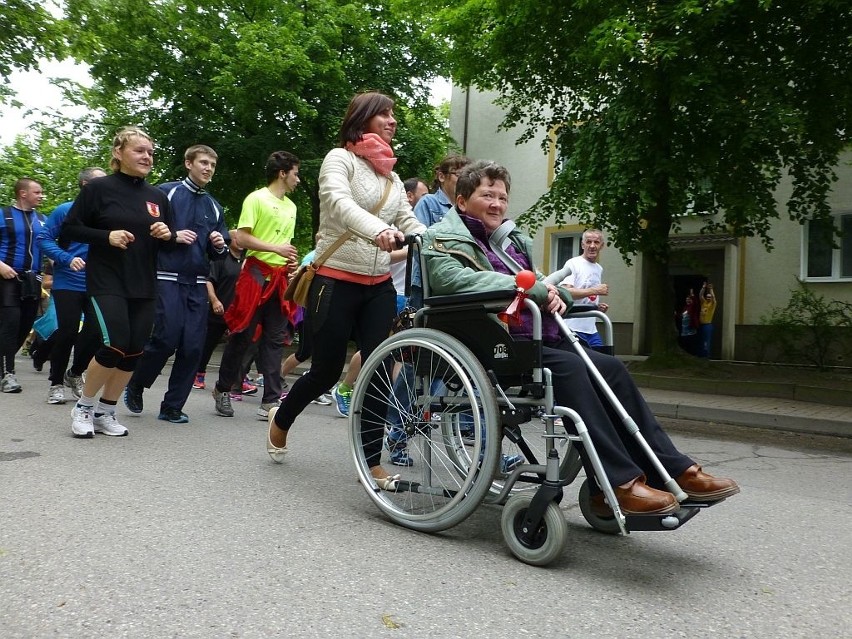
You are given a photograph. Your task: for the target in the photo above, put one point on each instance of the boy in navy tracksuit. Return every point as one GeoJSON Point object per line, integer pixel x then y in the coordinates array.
{"type": "Point", "coordinates": [181, 316]}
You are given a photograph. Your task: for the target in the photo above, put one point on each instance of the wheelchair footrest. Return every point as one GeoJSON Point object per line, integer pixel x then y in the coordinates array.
{"type": "Point", "coordinates": [673, 521]}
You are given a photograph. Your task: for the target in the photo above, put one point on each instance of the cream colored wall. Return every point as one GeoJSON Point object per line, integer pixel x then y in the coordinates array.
{"type": "Point", "coordinates": [527, 163]}
{"type": "Point", "coordinates": [771, 275]}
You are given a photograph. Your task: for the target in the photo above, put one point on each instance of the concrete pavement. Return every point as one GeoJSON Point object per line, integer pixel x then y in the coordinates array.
{"type": "Point", "coordinates": [761, 412]}
{"type": "Point", "coordinates": [191, 531]}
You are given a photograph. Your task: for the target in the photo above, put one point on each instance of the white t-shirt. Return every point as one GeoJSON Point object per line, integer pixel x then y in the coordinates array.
{"type": "Point", "coordinates": [584, 274]}
{"type": "Point", "coordinates": [397, 270]}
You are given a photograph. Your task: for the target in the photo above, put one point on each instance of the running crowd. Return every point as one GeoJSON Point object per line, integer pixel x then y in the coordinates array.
{"type": "Point", "coordinates": [154, 274]}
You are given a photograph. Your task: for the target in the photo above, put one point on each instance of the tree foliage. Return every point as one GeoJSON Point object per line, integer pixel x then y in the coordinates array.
{"type": "Point", "coordinates": [667, 108]}
{"type": "Point", "coordinates": [249, 77]}
{"type": "Point", "coordinates": [54, 161]}
{"type": "Point", "coordinates": [28, 33]}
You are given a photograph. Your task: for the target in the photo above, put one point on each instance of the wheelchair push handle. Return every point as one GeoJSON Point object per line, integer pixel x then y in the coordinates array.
{"type": "Point", "coordinates": [408, 240]}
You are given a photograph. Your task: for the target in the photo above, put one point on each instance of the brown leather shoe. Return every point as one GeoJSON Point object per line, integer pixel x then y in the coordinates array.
{"type": "Point", "coordinates": [637, 498]}
{"type": "Point", "coordinates": [703, 487]}
{"type": "Point", "coordinates": [599, 506]}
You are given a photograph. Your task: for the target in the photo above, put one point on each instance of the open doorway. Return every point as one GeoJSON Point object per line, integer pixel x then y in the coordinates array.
{"type": "Point", "coordinates": [690, 269]}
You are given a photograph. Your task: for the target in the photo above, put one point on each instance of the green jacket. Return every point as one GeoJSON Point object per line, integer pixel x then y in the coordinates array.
{"type": "Point", "coordinates": [456, 264]}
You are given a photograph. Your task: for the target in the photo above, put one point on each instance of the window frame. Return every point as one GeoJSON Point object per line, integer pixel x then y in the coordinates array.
{"type": "Point", "coordinates": [555, 237]}
{"type": "Point", "coordinates": [836, 252]}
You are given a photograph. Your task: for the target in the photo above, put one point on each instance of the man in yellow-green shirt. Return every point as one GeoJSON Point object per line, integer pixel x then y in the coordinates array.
{"type": "Point", "coordinates": [266, 227]}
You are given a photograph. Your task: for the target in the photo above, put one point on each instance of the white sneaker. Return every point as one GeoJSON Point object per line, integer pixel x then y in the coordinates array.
{"type": "Point", "coordinates": [56, 394]}
{"type": "Point", "coordinates": [81, 421]}
{"type": "Point", "coordinates": [9, 384]}
{"type": "Point", "coordinates": [107, 424]}
{"type": "Point", "coordinates": [323, 400]}
{"type": "Point", "coordinates": [263, 411]}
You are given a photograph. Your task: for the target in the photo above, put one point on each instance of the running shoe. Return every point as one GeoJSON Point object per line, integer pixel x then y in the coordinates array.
{"type": "Point", "coordinates": [199, 381]}
{"type": "Point", "coordinates": [133, 398]}
{"type": "Point", "coordinates": [323, 400]}
{"type": "Point", "coordinates": [263, 410]}
{"type": "Point", "coordinates": [75, 383]}
{"type": "Point", "coordinates": [10, 384]}
{"type": "Point", "coordinates": [223, 403]}
{"type": "Point", "coordinates": [107, 424]}
{"type": "Point", "coordinates": [342, 400]}
{"type": "Point", "coordinates": [508, 463]}
{"type": "Point", "coordinates": [56, 394]}
{"type": "Point", "coordinates": [82, 422]}
{"type": "Point", "coordinates": [173, 415]}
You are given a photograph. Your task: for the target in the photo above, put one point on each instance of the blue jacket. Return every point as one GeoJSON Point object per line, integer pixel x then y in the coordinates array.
{"type": "Point", "coordinates": [18, 231]}
{"type": "Point", "coordinates": [64, 279]}
{"type": "Point", "coordinates": [194, 209]}
{"type": "Point", "coordinates": [432, 207]}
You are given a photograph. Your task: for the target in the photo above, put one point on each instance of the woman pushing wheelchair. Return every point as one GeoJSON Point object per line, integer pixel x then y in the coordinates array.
{"type": "Point", "coordinates": [461, 259]}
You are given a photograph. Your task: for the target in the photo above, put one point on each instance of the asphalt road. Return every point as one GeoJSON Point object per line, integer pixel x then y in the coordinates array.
{"type": "Point", "coordinates": [191, 531]}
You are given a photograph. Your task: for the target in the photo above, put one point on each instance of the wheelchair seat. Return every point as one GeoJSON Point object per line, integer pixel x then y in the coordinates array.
{"type": "Point", "coordinates": [471, 318]}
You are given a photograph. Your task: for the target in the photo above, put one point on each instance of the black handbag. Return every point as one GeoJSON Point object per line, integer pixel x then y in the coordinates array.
{"type": "Point", "coordinates": [30, 285]}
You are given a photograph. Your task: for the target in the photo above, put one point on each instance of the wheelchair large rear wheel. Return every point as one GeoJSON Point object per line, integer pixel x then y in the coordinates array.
{"type": "Point", "coordinates": [423, 374]}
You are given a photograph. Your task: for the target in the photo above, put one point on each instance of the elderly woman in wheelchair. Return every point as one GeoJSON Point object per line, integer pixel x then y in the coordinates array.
{"type": "Point", "coordinates": [628, 458]}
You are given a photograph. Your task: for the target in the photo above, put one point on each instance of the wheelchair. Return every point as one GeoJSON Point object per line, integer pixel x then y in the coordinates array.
{"type": "Point", "coordinates": [475, 410]}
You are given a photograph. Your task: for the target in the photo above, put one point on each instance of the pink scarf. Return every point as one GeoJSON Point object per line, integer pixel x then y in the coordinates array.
{"type": "Point", "coordinates": [376, 151]}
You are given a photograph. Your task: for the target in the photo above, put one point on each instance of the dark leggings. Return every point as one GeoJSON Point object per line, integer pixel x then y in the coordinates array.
{"type": "Point", "coordinates": [338, 310]}
{"type": "Point", "coordinates": [70, 306]}
{"type": "Point", "coordinates": [125, 325]}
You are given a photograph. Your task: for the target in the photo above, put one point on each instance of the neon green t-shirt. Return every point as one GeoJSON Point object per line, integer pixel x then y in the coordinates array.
{"type": "Point", "coordinates": [270, 219]}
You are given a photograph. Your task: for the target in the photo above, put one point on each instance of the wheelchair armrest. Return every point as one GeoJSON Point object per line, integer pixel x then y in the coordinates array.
{"type": "Point", "coordinates": [467, 298]}
{"type": "Point", "coordinates": [582, 308]}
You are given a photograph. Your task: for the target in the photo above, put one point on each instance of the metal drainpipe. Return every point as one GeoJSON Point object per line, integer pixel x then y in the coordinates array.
{"type": "Point", "coordinates": [466, 112]}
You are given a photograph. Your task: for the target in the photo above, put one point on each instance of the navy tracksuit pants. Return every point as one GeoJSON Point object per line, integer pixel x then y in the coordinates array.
{"type": "Point", "coordinates": [180, 328]}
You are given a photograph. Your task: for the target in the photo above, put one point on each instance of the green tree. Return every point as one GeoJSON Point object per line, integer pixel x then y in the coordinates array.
{"type": "Point", "coordinates": [661, 107]}
{"type": "Point", "coordinates": [51, 157]}
{"type": "Point", "coordinates": [253, 76]}
{"type": "Point", "coordinates": [28, 33]}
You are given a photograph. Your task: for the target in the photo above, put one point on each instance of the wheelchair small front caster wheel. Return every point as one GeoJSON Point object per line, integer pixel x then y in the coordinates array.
{"type": "Point", "coordinates": [545, 544]}
{"type": "Point", "coordinates": [606, 525]}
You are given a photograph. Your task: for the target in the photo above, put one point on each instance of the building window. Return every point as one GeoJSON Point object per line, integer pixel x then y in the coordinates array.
{"type": "Point", "coordinates": [823, 260]}
{"type": "Point", "coordinates": [564, 247]}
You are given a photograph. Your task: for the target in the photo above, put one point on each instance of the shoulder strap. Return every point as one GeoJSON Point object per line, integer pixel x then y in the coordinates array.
{"type": "Point", "coordinates": [319, 260]}
{"type": "Point", "coordinates": [375, 210]}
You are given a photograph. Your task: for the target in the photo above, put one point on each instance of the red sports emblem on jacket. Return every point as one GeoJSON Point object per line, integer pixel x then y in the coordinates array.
{"type": "Point", "coordinates": [153, 209]}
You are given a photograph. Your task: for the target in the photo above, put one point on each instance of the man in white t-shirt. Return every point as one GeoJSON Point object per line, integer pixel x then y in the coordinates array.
{"type": "Point", "coordinates": [584, 284]}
